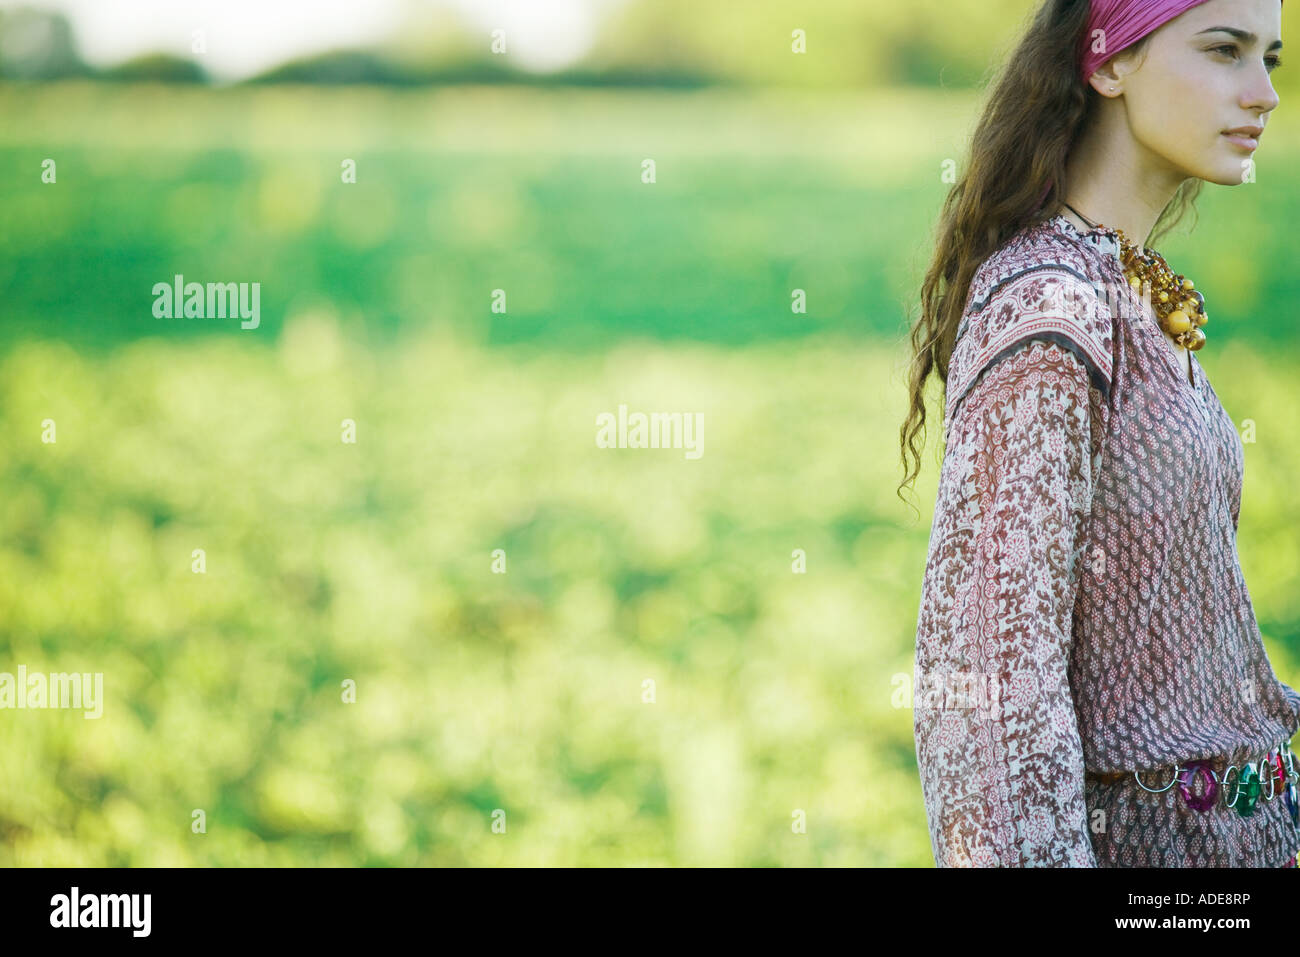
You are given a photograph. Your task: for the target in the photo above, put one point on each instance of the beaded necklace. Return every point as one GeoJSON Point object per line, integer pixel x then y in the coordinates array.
{"type": "Point", "coordinates": [1178, 304]}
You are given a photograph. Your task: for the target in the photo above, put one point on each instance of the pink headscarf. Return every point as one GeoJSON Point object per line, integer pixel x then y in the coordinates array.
{"type": "Point", "coordinates": [1124, 23]}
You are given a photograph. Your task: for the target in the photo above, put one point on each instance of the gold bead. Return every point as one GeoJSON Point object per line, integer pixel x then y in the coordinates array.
{"type": "Point", "coordinates": [1135, 282]}
{"type": "Point", "coordinates": [1177, 321]}
{"type": "Point", "coordinates": [1200, 318]}
{"type": "Point", "coordinates": [1190, 306]}
{"type": "Point", "coordinates": [1188, 284]}
{"type": "Point", "coordinates": [1196, 340]}
{"type": "Point", "coordinates": [1164, 296]}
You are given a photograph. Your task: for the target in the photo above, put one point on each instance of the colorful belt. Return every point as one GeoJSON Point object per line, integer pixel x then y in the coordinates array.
{"type": "Point", "coordinates": [1279, 769]}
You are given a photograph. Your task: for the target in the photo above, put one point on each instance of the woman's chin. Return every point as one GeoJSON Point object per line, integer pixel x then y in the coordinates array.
{"type": "Point", "coordinates": [1230, 175]}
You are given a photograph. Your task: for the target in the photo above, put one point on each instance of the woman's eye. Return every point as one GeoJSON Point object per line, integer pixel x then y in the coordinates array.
{"type": "Point", "coordinates": [1273, 61]}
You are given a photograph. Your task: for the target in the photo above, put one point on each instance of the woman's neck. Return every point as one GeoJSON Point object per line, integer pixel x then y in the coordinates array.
{"type": "Point", "coordinates": [1112, 179]}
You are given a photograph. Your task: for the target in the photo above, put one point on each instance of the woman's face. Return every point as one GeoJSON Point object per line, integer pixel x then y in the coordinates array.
{"type": "Point", "coordinates": [1193, 82]}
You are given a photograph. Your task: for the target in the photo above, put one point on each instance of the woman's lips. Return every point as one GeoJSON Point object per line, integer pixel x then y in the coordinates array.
{"type": "Point", "coordinates": [1242, 140]}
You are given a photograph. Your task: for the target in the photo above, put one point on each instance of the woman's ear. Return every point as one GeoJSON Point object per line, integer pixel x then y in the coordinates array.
{"type": "Point", "coordinates": [1104, 80]}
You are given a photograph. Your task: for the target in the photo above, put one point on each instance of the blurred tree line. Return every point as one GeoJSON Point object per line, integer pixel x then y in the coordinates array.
{"type": "Point", "coordinates": [849, 44]}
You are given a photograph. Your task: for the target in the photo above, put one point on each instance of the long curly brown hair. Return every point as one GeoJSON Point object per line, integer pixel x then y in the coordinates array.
{"type": "Point", "coordinates": [1036, 108]}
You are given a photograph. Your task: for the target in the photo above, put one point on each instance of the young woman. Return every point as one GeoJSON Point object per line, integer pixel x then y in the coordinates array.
{"type": "Point", "coordinates": [1091, 686]}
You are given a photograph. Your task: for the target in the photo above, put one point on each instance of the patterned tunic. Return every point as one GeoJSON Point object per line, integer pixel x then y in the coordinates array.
{"type": "Point", "coordinates": [1083, 608]}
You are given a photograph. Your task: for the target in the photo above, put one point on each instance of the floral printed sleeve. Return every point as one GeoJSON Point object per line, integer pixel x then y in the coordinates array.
{"type": "Point", "coordinates": [997, 743]}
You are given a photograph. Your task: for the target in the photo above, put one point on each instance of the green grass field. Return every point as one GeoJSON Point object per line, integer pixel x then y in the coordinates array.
{"type": "Point", "coordinates": [648, 682]}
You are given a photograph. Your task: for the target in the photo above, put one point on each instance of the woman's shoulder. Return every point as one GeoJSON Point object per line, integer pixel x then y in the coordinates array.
{"type": "Point", "coordinates": [1042, 283]}
{"type": "Point", "coordinates": [1048, 248]}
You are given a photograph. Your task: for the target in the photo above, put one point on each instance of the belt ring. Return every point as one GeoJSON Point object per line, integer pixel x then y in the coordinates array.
{"type": "Point", "coordinates": [1172, 781]}
{"type": "Point", "coordinates": [1237, 792]}
{"type": "Point", "coordinates": [1272, 779]}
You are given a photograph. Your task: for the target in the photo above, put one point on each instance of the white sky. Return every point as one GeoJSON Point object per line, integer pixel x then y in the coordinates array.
{"type": "Point", "coordinates": [243, 37]}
